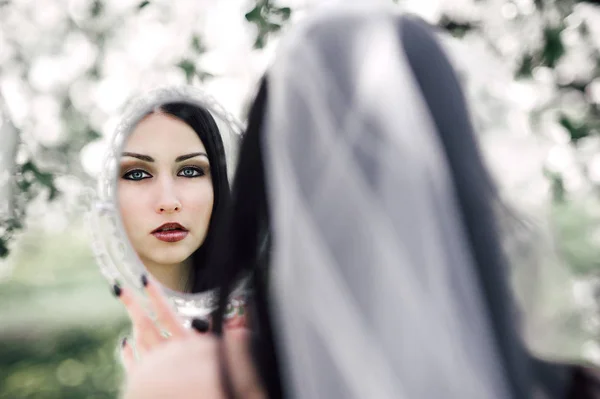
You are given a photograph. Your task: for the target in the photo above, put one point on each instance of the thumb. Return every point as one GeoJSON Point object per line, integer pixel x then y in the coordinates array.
{"type": "Point", "coordinates": [127, 355]}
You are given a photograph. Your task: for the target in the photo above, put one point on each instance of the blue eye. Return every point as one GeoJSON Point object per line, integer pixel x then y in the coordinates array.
{"type": "Point", "coordinates": [136, 175]}
{"type": "Point", "coordinates": [191, 172]}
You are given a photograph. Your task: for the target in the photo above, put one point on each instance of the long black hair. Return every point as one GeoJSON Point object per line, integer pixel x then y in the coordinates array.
{"type": "Point", "coordinates": [205, 126]}
{"type": "Point", "coordinates": [241, 242]}
{"type": "Point", "coordinates": [246, 229]}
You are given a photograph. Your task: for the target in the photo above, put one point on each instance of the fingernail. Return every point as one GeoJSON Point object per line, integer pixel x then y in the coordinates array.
{"type": "Point", "coordinates": [116, 290]}
{"type": "Point", "coordinates": [123, 342]}
{"type": "Point", "coordinates": [144, 280]}
{"type": "Point", "coordinates": [200, 325]}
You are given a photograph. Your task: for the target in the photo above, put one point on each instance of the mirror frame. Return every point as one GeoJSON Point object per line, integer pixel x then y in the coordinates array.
{"type": "Point", "coordinates": [115, 256]}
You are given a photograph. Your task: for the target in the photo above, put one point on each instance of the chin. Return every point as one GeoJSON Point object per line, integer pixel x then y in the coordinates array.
{"type": "Point", "coordinates": [173, 257]}
{"type": "Point", "coordinates": [170, 253]}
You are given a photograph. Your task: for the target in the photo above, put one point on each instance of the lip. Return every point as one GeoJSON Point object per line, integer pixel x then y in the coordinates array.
{"type": "Point", "coordinates": [170, 232]}
{"type": "Point", "coordinates": [169, 226]}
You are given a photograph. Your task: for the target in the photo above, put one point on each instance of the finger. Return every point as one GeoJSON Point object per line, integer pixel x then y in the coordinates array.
{"type": "Point", "coordinates": [145, 331]}
{"type": "Point", "coordinates": [200, 325]}
{"type": "Point", "coordinates": [238, 317]}
{"type": "Point", "coordinates": [238, 320]}
{"type": "Point", "coordinates": [165, 314]}
{"type": "Point", "coordinates": [127, 356]}
{"type": "Point", "coordinates": [243, 374]}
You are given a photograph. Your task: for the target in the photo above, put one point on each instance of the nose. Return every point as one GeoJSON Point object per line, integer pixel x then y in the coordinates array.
{"type": "Point", "coordinates": [168, 201]}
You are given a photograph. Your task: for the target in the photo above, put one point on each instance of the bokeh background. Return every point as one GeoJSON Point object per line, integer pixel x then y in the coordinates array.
{"type": "Point", "coordinates": [531, 69]}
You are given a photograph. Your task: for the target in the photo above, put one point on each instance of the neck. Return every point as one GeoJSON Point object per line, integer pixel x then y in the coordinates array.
{"type": "Point", "coordinates": [170, 276]}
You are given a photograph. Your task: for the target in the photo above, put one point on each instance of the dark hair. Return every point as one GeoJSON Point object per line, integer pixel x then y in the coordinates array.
{"type": "Point", "coordinates": [203, 123]}
{"type": "Point", "coordinates": [246, 227]}
{"type": "Point", "coordinates": [240, 246]}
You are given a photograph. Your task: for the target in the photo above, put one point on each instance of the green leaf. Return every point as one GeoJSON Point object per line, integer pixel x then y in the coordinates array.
{"type": "Point", "coordinates": [526, 68]}
{"type": "Point", "coordinates": [197, 45]}
{"type": "Point", "coordinates": [273, 27]}
{"type": "Point", "coordinates": [3, 248]}
{"type": "Point", "coordinates": [557, 186]}
{"type": "Point", "coordinates": [259, 43]}
{"type": "Point", "coordinates": [204, 75]}
{"type": "Point", "coordinates": [97, 8]}
{"type": "Point", "coordinates": [188, 68]}
{"type": "Point", "coordinates": [53, 194]}
{"type": "Point", "coordinates": [31, 175]}
{"type": "Point", "coordinates": [584, 29]}
{"type": "Point", "coordinates": [553, 46]}
{"type": "Point", "coordinates": [284, 12]}
{"type": "Point", "coordinates": [143, 4]}
{"type": "Point", "coordinates": [92, 135]}
{"type": "Point", "coordinates": [456, 28]}
{"type": "Point", "coordinates": [24, 185]}
{"type": "Point", "coordinates": [268, 19]}
{"type": "Point", "coordinates": [45, 179]}
{"type": "Point", "coordinates": [94, 71]}
{"type": "Point", "coordinates": [576, 130]}
{"type": "Point", "coordinates": [255, 15]}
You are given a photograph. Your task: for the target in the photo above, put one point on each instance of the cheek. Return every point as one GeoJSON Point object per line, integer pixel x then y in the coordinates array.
{"type": "Point", "coordinates": [199, 199]}
{"type": "Point", "coordinates": [130, 207]}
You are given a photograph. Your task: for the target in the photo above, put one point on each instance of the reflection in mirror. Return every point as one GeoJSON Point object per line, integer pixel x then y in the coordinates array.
{"type": "Point", "coordinates": [162, 189]}
{"type": "Point", "coordinates": [172, 181]}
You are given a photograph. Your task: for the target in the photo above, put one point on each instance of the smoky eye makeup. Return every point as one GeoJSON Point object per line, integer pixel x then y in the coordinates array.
{"type": "Point", "coordinates": [137, 171]}
{"type": "Point", "coordinates": [134, 170]}
{"type": "Point", "coordinates": [191, 171]}
{"type": "Point", "coordinates": [136, 175]}
{"type": "Point", "coordinates": [194, 169]}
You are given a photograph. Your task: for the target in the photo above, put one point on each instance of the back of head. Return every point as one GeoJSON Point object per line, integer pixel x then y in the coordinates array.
{"type": "Point", "coordinates": [374, 284]}
{"type": "Point", "coordinates": [373, 276]}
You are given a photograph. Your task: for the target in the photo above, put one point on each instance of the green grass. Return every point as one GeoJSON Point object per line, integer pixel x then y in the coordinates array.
{"type": "Point", "coordinates": [60, 326]}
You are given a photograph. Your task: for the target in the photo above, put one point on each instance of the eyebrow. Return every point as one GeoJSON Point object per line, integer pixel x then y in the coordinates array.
{"type": "Point", "coordinates": [180, 158]}
{"type": "Point", "coordinates": [146, 158]}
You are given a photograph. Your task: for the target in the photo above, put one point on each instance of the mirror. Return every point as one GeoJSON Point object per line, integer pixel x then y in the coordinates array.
{"type": "Point", "coordinates": [165, 177]}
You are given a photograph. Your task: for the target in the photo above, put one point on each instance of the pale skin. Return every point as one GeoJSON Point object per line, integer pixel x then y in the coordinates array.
{"type": "Point", "coordinates": [165, 178]}
{"type": "Point", "coordinates": [185, 365]}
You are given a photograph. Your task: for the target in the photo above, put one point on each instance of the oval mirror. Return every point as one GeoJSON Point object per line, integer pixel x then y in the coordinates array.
{"type": "Point", "coordinates": [164, 181]}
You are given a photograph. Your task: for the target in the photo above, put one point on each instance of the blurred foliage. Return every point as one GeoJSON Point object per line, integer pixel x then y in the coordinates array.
{"type": "Point", "coordinates": [578, 238]}
{"type": "Point", "coordinates": [552, 49]}
{"type": "Point", "coordinates": [91, 23]}
{"type": "Point", "coordinates": [268, 19]}
{"type": "Point", "coordinates": [555, 35]}
{"type": "Point", "coordinates": [57, 339]}
{"type": "Point", "coordinates": [74, 363]}
{"type": "Point", "coordinates": [61, 326]}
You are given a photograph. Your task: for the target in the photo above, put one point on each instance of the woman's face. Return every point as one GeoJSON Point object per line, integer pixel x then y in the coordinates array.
{"type": "Point", "coordinates": [165, 190]}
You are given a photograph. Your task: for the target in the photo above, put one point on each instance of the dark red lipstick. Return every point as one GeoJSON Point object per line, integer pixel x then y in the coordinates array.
{"type": "Point", "coordinates": [170, 232]}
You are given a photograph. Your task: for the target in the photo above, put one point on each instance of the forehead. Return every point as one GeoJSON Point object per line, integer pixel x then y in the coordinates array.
{"type": "Point", "coordinates": [162, 133]}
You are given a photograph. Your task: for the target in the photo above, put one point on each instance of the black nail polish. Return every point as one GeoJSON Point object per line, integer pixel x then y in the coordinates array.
{"type": "Point", "coordinates": [144, 280]}
{"type": "Point", "coordinates": [117, 290]}
{"type": "Point", "coordinates": [200, 325]}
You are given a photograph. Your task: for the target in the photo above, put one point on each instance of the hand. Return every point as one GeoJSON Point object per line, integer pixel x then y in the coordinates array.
{"type": "Point", "coordinates": [190, 369]}
{"type": "Point", "coordinates": [147, 333]}
{"type": "Point", "coordinates": [185, 364]}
